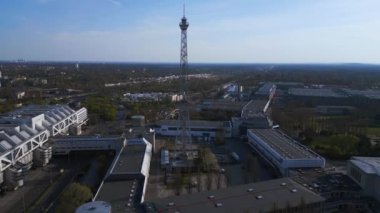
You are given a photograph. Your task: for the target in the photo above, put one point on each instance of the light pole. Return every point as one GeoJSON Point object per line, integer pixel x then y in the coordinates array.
{"type": "Point", "coordinates": [23, 200]}
{"type": "Point", "coordinates": [51, 175]}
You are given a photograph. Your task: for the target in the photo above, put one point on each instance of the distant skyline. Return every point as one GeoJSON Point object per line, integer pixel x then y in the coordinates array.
{"type": "Point", "coordinates": [221, 31]}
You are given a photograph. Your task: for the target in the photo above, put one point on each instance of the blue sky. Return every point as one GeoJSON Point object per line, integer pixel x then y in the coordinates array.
{"type": "Point", "coordinates": [248, 31]}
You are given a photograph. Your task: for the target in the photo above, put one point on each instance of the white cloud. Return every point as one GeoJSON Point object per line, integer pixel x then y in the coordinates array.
{"type": "Point", "coordinates": [324, 31]}
{"type": "Point", "coordinates": [115, 2]}
{"type": "Point", "coordinates": [44, 1]}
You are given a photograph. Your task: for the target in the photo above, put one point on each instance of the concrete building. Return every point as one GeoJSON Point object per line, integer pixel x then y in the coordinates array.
{"type": "Point", "coordinates": [316, 92]}
{"type": "Point", "coordinates": [254, 108]}
{"type": "Point", "coordinates": [333, 96]}
{"type": "Point", "coordinates": [125, 183]}
{"type": "Point", "coordinates": [334, 110]}
{"type": "Point", "coordinates": [267, 91]}
{"type": "Point", "coordinates": [281, 151]}
{"type": "Point", "coordinates": [123, 188]}
{"type": "Point", "coordinates": [340, 191]}
{"type": "Point", "coordinates": [252, 116]}
{"type": "Point", "coordinates": [366, 172]}
{"type": "Point", "coordinates": [241, 125]}
{"type": "Point", "coordinates": [20, 94]}
{"type": "Point", "coordinates": [207, 130]}
{"type": "Point", "coordinates": [369, 93]}
{"type": "Point", "coordinates": [280, 195]}
{"type": "Point", "coordinates": [221, 105]}
{"type": "Point", "coordinates": [152, 96]}
{"type": "Point", "coordinates": [64, 145]}
{"type": "Point", "coordinates": [23, 137]}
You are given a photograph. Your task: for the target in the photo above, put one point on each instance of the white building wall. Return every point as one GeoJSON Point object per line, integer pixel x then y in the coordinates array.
{"type": "Point", "coordinates": [369, 182]}
{"type": "Point", "coordinates": [34, 132]}
{"type": "Point", "coordinates": [81, 115]}
{"type": "Point", "coordinates": [172, 131]}
{"type": "Point", "coordinates": [303, 163]}
{"type": "Point", "coordinates": [282, 164]}
{"type": "Point", "coordinates": [265, 149]}
{"type": "Point", "coordinates": [146, 167]}
{"type": "Point", "coordinates": [64, 147]}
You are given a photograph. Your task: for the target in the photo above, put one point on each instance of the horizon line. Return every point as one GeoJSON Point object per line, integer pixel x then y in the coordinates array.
{"type": "Point", "coordinates": [152, 62]}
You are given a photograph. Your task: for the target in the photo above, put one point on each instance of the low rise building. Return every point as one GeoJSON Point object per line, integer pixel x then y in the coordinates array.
{"type": "Point", "coordinates": [366, 172]}
{"type": "Point", "coordinates": [340, 191]}
{"type": "Point", "coordinates": [266, 90]}
{"type": "Point", "coordinates": [20, 94]}
{"type": "Point", "coordinates": [334, 110]}
{"type": "Point", "coordinates": [281, 151]}
{"type": "Point", "coordinates": [24, 134]}
{"type": "Point", "coordinates": [152, 96]}
{"type": "Point", "coordinates": [207, 130]}
{"type": "Point", "coordinates": [126, 180]}
{"type": "Point", "coordinates": [279, 195]}
{"type": "Point", "coordinates": [317, 92]}
{"type": "Point", "coordinates": [64, 145]}
{"type": "Point", "coordinates": [221, 105]}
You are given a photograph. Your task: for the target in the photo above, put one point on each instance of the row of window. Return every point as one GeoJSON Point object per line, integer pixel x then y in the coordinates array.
{"type": "Point", "coordinates": [87, 147]}
{"type": "Point", "coordinates": [196, 129]}
{"type": "Point", "coordinates": [355, 174]}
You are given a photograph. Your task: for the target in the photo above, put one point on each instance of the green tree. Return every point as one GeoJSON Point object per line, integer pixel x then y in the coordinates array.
{"type": "Point", "coordinates": [72, 197]}
{"type": "Point", "coordinates": [338, 146]}
{"type": "Point", "coordinates": [101, 106]}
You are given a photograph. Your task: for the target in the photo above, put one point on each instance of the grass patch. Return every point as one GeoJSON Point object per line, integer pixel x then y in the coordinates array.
{"type": "Point", "coordinates": [46, 192]}
{"type": "Point", "coordinates": [373, 131]}
{"type": "Point", "coordinates": [338, 146]}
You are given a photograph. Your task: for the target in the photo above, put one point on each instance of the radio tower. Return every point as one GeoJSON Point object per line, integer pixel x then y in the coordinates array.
{"type": "Point", "coordinates": [183, 140]}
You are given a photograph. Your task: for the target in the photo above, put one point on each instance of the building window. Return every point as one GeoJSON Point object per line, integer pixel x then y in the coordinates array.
{"type": "Point", "coordinates": [356, 174]}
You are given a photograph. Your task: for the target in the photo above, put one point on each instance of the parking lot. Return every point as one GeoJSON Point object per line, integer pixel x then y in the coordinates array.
{"type": "Point", "coordinates": [249, 168]}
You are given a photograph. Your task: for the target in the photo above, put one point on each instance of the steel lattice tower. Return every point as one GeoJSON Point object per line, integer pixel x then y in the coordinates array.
{"type": "Point", "coordinates": [184, 137]}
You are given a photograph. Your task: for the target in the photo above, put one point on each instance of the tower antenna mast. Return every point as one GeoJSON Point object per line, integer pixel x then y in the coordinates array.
{"type": "Point", "coordinates": [184, 10]}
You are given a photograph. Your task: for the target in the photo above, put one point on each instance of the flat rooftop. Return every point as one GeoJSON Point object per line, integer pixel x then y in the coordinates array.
{"type": "Point", "coordinates": [34, 110]}
{"type": "Point", "coordinates": [20, 125]}
{"type": "Point", "coordinates": [371, 94]}
{"type": "Point", "coordinates": [192, 123]}
{"type": "Point", "coordinates": [265, 89]}
{"type": "Point", "coordinates": [325, 92]}
{"type": "Point", "coordinates": [130, 159]}
{"type": "Point", "coordinates": [87, 138]}
{"type": "Point", "coordinates": [123, 195]}
{"type": "Point", "coordinates": [319, 181]}
{"type": "Point", "coordinates": [241, 198]}
{"type": "Point", "coordinates": [283, 144]}
{"type": "Point", "coordinates": [222, 105]}
{"type": "Point", "coordinates": [254, 108]}
{"type": "Point", "coordinates": [370, 165]}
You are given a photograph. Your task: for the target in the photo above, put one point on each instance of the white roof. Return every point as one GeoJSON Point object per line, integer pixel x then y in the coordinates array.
{"type": "Point", "coordinates": [5, 145]}
{"type": "Point", "coordinates": [21, 125]}
{"type": "Point", "coordinates": [370, 165]}
{"type": "Point", "coordinates": [24, 134]}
